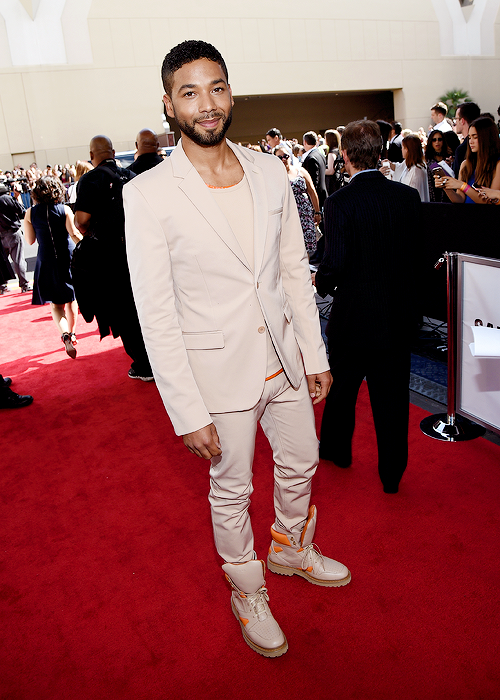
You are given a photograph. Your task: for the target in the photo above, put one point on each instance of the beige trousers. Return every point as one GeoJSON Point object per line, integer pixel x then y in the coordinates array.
{"type": "Point", "coordinates": [287, 419]}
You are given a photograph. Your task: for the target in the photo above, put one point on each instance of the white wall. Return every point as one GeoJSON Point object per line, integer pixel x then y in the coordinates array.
{"type": "Point", "coordinates": [102, 73]}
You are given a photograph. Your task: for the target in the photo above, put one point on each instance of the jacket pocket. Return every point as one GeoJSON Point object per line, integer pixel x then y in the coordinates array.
{"type": "Point", "coordinates": [208, 340]}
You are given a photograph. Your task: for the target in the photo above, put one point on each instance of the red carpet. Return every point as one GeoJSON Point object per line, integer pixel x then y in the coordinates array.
{"type": "Point", "coordinates": [110, 586]}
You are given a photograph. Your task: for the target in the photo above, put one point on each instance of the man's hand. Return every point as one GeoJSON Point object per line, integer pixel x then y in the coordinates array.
{"type": "Point", "coordinates": [204, 442]}
{"type": "Point", "coordinates": [319, 386]}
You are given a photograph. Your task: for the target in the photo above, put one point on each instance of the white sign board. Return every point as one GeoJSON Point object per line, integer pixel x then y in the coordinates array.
{"type": "Point", "coordinates": [478, 377]}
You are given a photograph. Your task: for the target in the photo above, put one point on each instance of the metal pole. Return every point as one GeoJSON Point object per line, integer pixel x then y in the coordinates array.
{"type": "Point", "coordinates": [451, 272]}
{"type": "Point", "coordinates": [446, 426]}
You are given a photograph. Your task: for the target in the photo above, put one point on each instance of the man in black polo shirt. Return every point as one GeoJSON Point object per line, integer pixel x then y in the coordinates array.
{"type": "Point", "coordinates": [99, 213]}
{"type": "Point", "coordinates": [147, 145]}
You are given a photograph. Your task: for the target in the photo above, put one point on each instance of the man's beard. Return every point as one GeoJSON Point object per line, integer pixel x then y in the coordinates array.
{"type": "Point", "coordinates": [208, 138]}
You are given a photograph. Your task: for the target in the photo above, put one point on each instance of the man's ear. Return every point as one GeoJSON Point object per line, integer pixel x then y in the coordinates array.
{"type": "Point", "coordinates": [231, 93]}
{"type": "Point", "coordinates": [168, 105]}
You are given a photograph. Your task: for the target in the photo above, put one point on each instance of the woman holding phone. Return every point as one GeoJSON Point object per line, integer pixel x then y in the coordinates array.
{"type": "Point", "coordinates": [412, 170]}
{"type": "Point", "coordinates": [435, 154]}
{"type": "Point", "coordinates": [480, 169]}
{"type": "Point", "coordinates": [493, 196]}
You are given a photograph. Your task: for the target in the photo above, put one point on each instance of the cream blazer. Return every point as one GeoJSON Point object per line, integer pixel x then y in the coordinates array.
{"type": "Point", "coordinates": [202, 309]}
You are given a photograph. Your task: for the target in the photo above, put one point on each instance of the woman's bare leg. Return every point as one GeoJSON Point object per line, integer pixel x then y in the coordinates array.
{"type": "Point", "coordinates": [59, 316]}
{"type": "Point", "coordinates": [72, 315]}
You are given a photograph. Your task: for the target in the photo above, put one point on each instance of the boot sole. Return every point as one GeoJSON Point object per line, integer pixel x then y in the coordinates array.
{"type": "Point", "coordinates": [270, 653]}
{"type": "Point", "coordinates": [290, 571]}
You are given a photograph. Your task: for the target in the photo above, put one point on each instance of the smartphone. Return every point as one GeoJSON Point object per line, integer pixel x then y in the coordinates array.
{"type": "Point", "coordinates": [438, 172]}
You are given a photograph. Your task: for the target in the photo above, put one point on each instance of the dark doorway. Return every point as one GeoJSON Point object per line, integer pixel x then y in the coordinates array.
{"type": "Point", "coordinates": [295, 114]}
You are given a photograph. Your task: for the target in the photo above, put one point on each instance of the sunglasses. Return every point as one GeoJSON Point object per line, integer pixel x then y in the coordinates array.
{"type": "Point", "coordinates": [285, 156]}
{"type": "Point", "coordinates": [433, 140]}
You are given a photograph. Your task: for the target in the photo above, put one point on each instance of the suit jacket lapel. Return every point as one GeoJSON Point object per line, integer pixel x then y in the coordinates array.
{"type": "Point", "coordinates": [257, 186]}
{"type": "Point", "coordinates": [193, 186]}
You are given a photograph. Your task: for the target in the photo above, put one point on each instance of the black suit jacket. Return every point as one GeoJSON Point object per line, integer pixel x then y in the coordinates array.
{"type": "Point", "coordinates": [315, 165]}
{"type": "Point", "coordinates": [395, 150]}
{"type": "Point", "coordinates": [460, 154]}
{"type": "Point", "coordinates": [144, 162]}
{"type": "Point", "coordinates": [372, 229]}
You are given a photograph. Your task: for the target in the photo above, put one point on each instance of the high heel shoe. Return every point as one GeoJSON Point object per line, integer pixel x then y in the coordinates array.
{"type": "Point", "coordinates": [70, 349]}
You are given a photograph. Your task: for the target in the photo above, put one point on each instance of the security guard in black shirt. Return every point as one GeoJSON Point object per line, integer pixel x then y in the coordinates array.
{"type": "Point", "coordinates": [103, 289]}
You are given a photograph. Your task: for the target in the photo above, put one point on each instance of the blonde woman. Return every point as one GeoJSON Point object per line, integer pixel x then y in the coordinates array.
{"type": "Point", "coordinates": [82, 167]}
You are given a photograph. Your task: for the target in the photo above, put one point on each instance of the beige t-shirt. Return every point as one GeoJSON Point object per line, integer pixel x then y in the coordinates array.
{"type": "Point", "coordinates": [236, 204]}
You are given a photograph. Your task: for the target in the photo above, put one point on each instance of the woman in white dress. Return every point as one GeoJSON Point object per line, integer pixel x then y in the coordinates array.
{"type": "Point", "coordinates": [412, 170]}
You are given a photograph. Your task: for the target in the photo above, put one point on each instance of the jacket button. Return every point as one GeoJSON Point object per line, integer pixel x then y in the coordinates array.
{"type": "Point", "coordinates": [261, 329]}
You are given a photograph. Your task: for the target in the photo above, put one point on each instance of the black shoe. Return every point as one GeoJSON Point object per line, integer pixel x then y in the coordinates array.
{"type": "Point", "coordinates": [26, 288]}
{"type": "Point", "coordinates": [6, 381]}
{"type": "Point", "coordinates": [390, 488]}
{"type": "Point", "coordinates": [9, 399]}
{"type": "Point", "coordinates": [342, 463]}
{"type": "Point", "coordinates": [133, 375]}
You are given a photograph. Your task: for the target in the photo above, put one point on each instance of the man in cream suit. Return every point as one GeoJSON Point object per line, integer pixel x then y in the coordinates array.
{"type": "Point", "coordinates": [223, 291]}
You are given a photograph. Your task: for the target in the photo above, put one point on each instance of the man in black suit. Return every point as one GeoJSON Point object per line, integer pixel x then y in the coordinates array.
{"type": "Point", "coordinates": [147, 145]}
{"type": "Point", "coordinates": [371, 230]}
{"type": "Point", "coordinates": [464, 116]}
{"type": "Point", "coordinates": [315, 164]}
{"type": "Point", "coordinates": [395, 150]}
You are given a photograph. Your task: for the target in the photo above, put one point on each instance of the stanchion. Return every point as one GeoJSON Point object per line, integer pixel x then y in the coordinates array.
{"type": "Point", "coordinates": [448, 426]}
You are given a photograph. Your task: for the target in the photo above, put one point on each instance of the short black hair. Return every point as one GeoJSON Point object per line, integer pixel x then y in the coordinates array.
{"type": "Point", "coordinates": [468, 111]}
{"type": "Point", "coordinates": [273, 133]}
{"type": "Point", "coordinates": [187, 52]}
{"type": "Point", "coordinates": [311, 138]}
{"type": "Point", "coordinates": [398, 127]}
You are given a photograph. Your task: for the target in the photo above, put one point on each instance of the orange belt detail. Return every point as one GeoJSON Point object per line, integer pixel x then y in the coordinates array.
{"type": "Point", "coordinates": [274, 375]}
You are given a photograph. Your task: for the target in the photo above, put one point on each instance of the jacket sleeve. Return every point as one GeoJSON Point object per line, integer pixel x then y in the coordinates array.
{"type": "Point", "coordinates": [154, 293]}
{"type": "Point", "coordinates": [335, 258]}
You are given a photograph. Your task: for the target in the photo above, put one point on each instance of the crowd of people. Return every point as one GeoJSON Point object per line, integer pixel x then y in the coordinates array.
{"type": "Point", "coordinates": [43, 204]}
{"type": "Point", "coordinates": [212, 295]}
{"type": "Point", "coordinates": [452, 161]}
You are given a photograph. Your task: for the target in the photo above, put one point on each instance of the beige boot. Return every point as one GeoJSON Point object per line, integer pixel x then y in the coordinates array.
{"type": "Point", "coordinates": [249, 603]}
{"type": "Point", "coordinates": [294, 553]}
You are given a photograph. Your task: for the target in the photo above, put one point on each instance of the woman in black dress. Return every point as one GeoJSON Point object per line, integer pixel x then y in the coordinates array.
{"type": "Point", "coordinates": [51, 224]}
{"type": "Point", "coordinates": [435, 152]}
